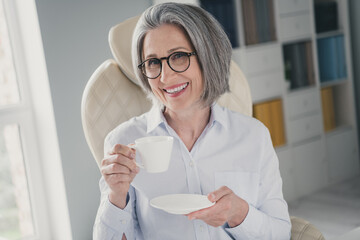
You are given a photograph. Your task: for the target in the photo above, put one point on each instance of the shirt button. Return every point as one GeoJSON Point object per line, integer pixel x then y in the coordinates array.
{"type": "Point", "coordinates": [201, 228]}
{"type": "Point", "coordinates": [191, 164]}
{"type": "Point", "coordinates": [123, 222]}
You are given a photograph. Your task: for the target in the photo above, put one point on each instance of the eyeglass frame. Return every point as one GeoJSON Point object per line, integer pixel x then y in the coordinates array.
{"type": "Point", "coordinates": [140, 66]}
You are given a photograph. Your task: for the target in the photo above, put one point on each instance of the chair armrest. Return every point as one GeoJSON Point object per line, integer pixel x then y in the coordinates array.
{"type": "Point", "coordinates": [303, 230]}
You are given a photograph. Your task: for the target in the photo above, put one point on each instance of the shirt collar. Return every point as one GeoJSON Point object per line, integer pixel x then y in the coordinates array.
{"type": "Point", "coordinates": [218, 114]}
{"type": "Point", "coordinates": [156, 117]}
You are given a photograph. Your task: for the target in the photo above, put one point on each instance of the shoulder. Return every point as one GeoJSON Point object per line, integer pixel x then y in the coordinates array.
{"type": "Point", "coordinates": [236, 120]}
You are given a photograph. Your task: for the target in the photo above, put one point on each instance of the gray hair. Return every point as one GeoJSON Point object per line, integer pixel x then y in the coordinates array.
{"type": "Point", "coordinates": [209, 40]}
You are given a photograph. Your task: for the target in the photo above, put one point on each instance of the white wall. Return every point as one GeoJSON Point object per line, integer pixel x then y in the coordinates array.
{"type": "Point", "coordinates": [354, 6]}
{"type": "Point", "coordinates": [74, 35]}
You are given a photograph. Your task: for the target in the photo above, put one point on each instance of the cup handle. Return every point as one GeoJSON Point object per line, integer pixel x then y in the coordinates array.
{"type": "Point", "coordinates": [133, 146]}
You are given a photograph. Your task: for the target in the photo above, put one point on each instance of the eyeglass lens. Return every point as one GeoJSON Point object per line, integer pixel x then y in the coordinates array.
{"type": "Point", "coordinates": [178, 62]}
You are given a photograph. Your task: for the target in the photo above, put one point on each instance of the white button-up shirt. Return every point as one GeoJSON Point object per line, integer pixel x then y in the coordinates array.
{"type": "Point", "coordinates": [233, 150]}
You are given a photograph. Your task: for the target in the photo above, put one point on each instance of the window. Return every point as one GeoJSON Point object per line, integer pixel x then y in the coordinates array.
{"type": "Point", "coordinates": [23, 212]}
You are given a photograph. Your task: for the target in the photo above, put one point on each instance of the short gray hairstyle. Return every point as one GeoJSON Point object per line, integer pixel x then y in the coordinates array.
{"type": "Point", "coordinates": [209, 40]}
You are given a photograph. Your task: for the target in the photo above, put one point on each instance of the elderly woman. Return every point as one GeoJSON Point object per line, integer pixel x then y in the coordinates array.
{"type": "Point", "coordinates": [182, 57]}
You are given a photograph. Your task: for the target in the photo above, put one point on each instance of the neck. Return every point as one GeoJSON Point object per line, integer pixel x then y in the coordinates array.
{"type": "Point", "coordinates": [188, 124]}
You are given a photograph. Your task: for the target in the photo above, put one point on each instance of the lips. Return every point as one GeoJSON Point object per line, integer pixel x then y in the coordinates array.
{"type": "Point", "coordinates": [176, 89]}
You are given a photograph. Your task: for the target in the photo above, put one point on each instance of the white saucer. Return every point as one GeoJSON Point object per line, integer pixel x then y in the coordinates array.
{"type": "Point", "coordinates": [181, 203]}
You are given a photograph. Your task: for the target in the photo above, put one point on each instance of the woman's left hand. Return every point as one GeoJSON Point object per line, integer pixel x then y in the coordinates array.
{"type": "Point", "coordinates": [228, 208]}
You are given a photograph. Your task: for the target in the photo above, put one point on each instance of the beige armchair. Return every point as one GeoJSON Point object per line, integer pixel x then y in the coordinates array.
{"type": "Point", "coordinates": [113, 96]}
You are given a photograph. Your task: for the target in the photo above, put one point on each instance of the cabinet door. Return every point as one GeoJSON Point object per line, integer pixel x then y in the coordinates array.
{"type": "Point", "coordinates": [261, 60]}
{"type": "Point", "coordinates": [310, 167]}
{"type": "Point", "coordinates": [293, 27]}
{"type": "Point", "coordinates": [287, 170]}
{"type": "Point", "coordinates": [303, 103]}
{"type": "Point", "coordinates": [266, 86]}
{"type": "Point", "coordinates": [305, 128]}
{"type": "Point", "coordinates": [342, 154]}
{"type": "Point", "coordinates": [293, 6]}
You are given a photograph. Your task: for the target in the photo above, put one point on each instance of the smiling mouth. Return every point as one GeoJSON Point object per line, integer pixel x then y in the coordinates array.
{"type": "Point", "coordinates": [177, 89]}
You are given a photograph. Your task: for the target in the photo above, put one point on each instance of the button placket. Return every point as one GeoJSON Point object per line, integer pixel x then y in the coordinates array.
{"type": "Point", "coordinates": [192, 175]}
{"type": "Point", "coordinates": [191, 164]}
{"type": "Point", "coordinates": [201, 230]}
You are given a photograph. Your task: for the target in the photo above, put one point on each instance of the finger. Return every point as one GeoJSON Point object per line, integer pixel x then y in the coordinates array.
{"type": "Point", "coordinates": [201, 214]}
{"type": "Point", "coordinates": [214, 216]}
{"type": "Point", "coordinates": [115, 168]}
{"type": "Point", "coordinates": [122, 149]}
{"type": "Point", "coordinates": [219, 193]}
{"type": "Point", "coordinates": [120, 159]}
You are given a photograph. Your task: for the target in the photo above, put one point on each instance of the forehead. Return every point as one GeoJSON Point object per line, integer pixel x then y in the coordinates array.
{"type": "Point", "coordinates": [162, 40]}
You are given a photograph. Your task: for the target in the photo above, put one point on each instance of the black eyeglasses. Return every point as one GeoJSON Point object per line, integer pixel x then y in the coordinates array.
{"type": "Point", "coordinates": [177, 61]}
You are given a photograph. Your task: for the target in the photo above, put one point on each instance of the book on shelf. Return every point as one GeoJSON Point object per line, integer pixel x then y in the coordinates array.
{"type": "Point", "coordinates": [272, 28]}
{"type": "Point", "coordinates": [299, 67]}
{"type": "Point", "coordinates": [326, 16]}
{"type": "Point", "coordinates": [341, 57]}
{"type": "Point", "coordinates": [327, 59]}
{"type": "Point", "coordinates": [270, 113]}
{"type": "Point", "coordinates": [224, 12]}
{"type": "Point", "coordinates": [310, 63]}
{"type": "Point", "coordinates": [259, 21]}
{"type": "Point", "coordinates": [331, 57]}
{"type": "Point", "coordinates": [250, 22]}
{"type": "Point", "coordinates": [277, 122]}
{"type": "Point", "coordinates": [263, 114]}
{"type": "Point", "coordinates": [327, 100]}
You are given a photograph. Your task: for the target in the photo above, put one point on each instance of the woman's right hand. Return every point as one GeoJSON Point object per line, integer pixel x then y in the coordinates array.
{"type": "Point", "coordinates": [119, 169]}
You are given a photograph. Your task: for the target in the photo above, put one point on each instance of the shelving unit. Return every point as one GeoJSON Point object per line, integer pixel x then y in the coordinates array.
{"type": "Point", "coordinates": [287, 65]}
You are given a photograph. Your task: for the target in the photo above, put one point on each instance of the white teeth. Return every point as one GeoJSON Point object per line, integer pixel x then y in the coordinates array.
{"type": "Point", "coordinates": [178, 89]}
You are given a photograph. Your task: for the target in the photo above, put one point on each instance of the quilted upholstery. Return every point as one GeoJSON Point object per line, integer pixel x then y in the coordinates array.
{"type": "Point", "coordinates": [109, 99]}
{"type": "Point", "coordinates": [120, 37]}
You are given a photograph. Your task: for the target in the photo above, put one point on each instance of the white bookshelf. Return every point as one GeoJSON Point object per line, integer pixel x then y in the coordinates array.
{"type": "Point", "coordinates": [311, 158]}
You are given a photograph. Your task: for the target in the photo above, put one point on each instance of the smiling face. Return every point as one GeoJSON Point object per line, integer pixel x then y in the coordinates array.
{"type": "Point", "coordinates": [177, 91]}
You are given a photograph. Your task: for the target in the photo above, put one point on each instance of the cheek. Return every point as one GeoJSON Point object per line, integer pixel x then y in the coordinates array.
{"type": "Point", "coordinates": [152, 85]}
{"type": "Point", "coordinates": [199, 83]}
{"type": "Point", "coordinates": [155, 90]}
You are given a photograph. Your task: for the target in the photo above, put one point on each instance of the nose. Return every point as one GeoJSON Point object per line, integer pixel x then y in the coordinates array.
{"type": "Point", "coordinates": [166, 71]}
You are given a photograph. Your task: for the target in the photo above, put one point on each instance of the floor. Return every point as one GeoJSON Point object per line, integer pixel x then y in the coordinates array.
{"type": "Point", "coordinates": [334, 210]}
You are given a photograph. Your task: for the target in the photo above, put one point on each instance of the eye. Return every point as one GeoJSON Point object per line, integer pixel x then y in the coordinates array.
{"type": "Point", "coordinates": [178, 55]}
{"type": "Point", "coordinates": [152, 63]}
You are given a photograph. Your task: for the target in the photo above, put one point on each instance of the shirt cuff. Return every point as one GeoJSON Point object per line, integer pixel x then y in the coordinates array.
{"type": "Point", "coordinates": [116, 218]}
{"type": "Point", "coordinates": [250, 228]}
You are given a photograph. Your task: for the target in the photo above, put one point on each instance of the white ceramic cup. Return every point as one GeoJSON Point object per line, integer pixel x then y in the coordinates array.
{"type": "Point", "coordinates": [154, 153]}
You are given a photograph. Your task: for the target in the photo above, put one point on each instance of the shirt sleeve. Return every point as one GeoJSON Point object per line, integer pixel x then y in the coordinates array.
{"type": "Point", "coordinates": [112, 222]}
{"type": "Point", "coordinates": [269, 219]}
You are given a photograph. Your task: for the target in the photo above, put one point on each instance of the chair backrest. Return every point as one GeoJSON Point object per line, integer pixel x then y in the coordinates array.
{"type": "Point", "coordinates": [113, 94]}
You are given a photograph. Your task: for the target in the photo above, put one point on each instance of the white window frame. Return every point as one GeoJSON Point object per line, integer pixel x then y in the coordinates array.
{"type": "Point", "coordinates": [35, 117]}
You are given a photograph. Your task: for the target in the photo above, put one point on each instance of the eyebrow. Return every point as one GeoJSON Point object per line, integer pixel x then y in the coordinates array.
{"type": "Point", "coordinates": [152, 55]}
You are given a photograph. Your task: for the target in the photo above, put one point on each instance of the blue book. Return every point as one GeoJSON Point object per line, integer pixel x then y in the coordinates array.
{"type": "Point", "coordinates": [340, 50]}
{"type": "Point", "coordinates": [327, 57]}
